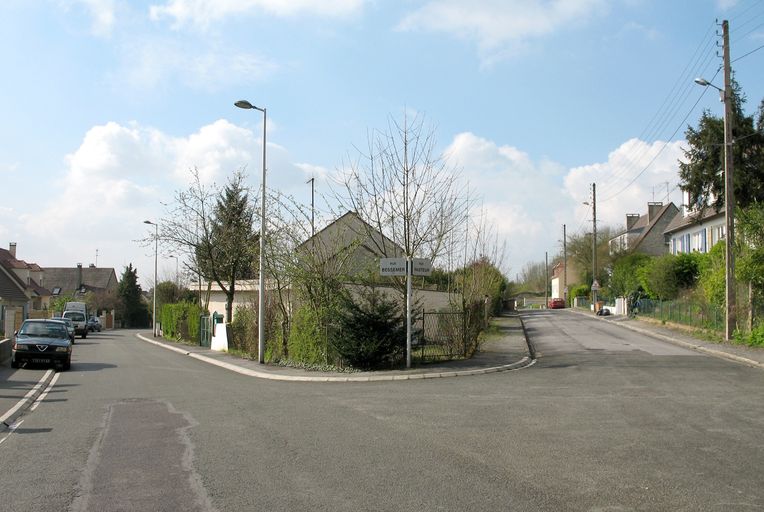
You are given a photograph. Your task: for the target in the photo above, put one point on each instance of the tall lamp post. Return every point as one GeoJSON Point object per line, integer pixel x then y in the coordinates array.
{"type": "Point", "coordinates": [177, 281]}
{"type": "Point", "coordinates": [261, 291]}
{"type": "Point", "coordinates": [729, 197]}
{"type": "Point", "coordinates": [156, 255]}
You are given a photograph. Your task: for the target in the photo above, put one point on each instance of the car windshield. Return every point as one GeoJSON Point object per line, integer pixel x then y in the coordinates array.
{"type": "Point", "coordinates": [77, 317]}
{"type": "Point", "coordinates": [45, 330]}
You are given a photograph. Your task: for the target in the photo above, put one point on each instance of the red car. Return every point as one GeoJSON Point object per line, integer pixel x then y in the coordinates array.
{"type": "Point", "coordinates": [556, 303]}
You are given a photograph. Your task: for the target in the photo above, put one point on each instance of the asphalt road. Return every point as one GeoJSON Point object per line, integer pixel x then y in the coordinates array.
{"type": "Point", "coordinates": [606, 420]}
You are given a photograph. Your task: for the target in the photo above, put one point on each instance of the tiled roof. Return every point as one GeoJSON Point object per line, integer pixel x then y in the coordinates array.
{"type": "Point", "coordinates": [67, 278]}
{"type": "Point", "coordinates": [11, 290]}
{"type": "Point", "coordinates": [682, 221]}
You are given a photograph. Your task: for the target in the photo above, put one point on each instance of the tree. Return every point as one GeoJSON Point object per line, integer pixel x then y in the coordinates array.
{"type": "Point", "coordinates": [400, 187]}
{"type": "Point", "coordinates": [133, 309]}
{"type": "Point", "coordinates": [701, 173]}
{"type": "Point", "coordinates": [230, 250]}
{"type": "Point", "coordinates": [213, 229]}
{"type": "Point", "coordinates": [626, 271]}
{"type": "Point", "coordinates": [750, 262]}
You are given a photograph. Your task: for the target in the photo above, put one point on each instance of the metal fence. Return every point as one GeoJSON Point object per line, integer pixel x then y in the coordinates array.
{"type": "Point", "coordinates": [706, 316]}
{"type": "Point", "coordinates": [447, 335]}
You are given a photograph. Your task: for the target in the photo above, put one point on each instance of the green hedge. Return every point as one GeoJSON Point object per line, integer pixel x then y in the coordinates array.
{"type": "Point", "coordinates": [181, 321]}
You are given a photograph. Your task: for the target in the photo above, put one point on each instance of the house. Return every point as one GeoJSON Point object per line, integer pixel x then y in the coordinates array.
{"type": "Point", "coordinates": [645, 233]}
{"type": "Point", "coordinates": [14, 301]}
{"type": "Point", "coordinates": [76, 282]}
{"type": "Point", "coordinates": [31, 277]}
{"type": "Point", "coordinates": [351, 246]}
{"type": "Point", "coordinates": [562, 279]}
{"type": "Point", "coordinates": [696, 229]}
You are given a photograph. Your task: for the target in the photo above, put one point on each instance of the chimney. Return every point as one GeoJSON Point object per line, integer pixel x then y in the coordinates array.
{"type": "Point", "coordinates": [652, 211]}
{"type": "Point", "coordinates": [92, 265]}
{"type": "Point", "coordinates": [79, 276]}
{"type": "Point", "coordinates": [631, 219]}
{"type": "Point", "coordinates": [12, 249]}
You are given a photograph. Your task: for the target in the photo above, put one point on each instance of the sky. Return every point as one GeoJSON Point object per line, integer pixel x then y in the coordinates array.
{"type": "Point", "coordinates": [107, 104]}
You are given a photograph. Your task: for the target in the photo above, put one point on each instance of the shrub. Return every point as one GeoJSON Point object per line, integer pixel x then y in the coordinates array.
{"type": "Point", "coordinates": [307, 341]}
{"type": "Point", "coordinates": [371, 331]}
{"type": "Point", "coordinates": [181, 321]}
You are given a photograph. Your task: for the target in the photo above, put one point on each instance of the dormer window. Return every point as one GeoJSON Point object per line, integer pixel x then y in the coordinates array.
{"type": "Point", "coordinates": [57, 290]}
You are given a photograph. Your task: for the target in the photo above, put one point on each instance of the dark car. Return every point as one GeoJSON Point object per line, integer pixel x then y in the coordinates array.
{"type": "Point", "coordinates": [94, 324]}
{"type": "Point", "coordinates": [42, 342]}
{"type": "Point", "coordinates": [556, 303]}
{"type": "Point", "coordinates": [69, 326]}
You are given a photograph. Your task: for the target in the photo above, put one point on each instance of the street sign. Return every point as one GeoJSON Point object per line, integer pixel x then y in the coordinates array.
{"type": "Point", "coordinates": [595, 286]}
{"type": "Point", "coordinates": [392, 266]}
{"type": "Point", "coordinates": [422, 267]}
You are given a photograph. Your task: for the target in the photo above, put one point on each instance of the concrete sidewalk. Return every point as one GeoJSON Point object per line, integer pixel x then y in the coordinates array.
{"type": "Point", "coordinates": [751, 356]}
{"type": "Point", "coordinates": [506, 350]}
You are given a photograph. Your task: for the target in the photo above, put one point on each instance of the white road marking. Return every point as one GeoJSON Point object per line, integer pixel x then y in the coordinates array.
{"type": "Point", "coordinates": [44, 393]}
{"type": "Point", "coordinates": [13, 429]}
{"type": "Point", "coordinates": [26, 398]}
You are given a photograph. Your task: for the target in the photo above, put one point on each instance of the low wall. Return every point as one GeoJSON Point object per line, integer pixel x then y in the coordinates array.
{"type": "Point", "coordinates": [5, 350]}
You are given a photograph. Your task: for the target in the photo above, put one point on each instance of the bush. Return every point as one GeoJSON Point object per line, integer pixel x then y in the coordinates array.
{"type": "Point", "coordinates": [580, 290]}
{"type": "Point", "coordinates": [372, 331]}
{"type": "Point", "coordinates": [181, 321]}
{"type": "Point", "coordinates": [307, 343]}
{"type": "Point", "coordinates": [244, 330]}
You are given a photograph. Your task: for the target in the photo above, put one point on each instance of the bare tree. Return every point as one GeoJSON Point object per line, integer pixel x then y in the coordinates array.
{"type": "Point", "coordinates": [403, 189]}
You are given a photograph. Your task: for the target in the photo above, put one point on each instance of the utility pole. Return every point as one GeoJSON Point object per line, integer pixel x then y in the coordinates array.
{"type": "Point", "coordinates": [564, 263]}
{"type": "Point", "coordinates": [312, 182]}
{"type": "Point", "coordinates": [729, 197]}
{"type": "Point", "coordinates": [546, 279]}
{"type": "Point", "coordinates": [595, 284]}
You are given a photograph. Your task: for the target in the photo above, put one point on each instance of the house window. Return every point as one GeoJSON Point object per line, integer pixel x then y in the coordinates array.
{"type": "Point", "coordinates": [57, 291]}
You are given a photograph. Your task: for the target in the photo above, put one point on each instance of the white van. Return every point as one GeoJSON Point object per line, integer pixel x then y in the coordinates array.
{"type": "Point", "coordinates": [77, 312]}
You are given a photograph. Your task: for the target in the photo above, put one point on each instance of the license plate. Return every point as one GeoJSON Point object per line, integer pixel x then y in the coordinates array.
{"type": "Point", "coordinates": [40, 361]}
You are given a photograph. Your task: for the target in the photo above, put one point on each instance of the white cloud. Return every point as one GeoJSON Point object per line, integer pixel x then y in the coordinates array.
{"type": "Point", "coordinates": [528, 201]}
{"type": "Point", "coordinates": [617, 195]}
{"type": "Point", "coordinates": [102, 13]}
{"type": "Point", "coordinates": [500, 25]}
{"type": "Point", "coordinates": [202, 13]}
{"type": "Point", "coordinates": [153, 63]}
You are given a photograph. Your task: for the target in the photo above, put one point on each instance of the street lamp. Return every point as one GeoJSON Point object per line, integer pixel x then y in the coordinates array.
{"type": "Point", "coordinates": [156, 253]}
{"type": "Point", "coordinates": [729, 204]}
{"type": "Point", "coordinates": [261, 291]}
{"type": "Point", "coordinates": [176, 268]}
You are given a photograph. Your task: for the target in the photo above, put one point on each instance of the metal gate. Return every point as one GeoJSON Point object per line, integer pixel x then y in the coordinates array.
{"type": "Point", "coordinates": [205, 330]}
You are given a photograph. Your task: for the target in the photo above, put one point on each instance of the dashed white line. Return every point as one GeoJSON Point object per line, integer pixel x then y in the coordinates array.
{"type": "Point", "coordinates": [26, 398]}
{"type": "Point", "coordinates": [13, 429]}
{"type": "Point", "coordinates": [44, 393]}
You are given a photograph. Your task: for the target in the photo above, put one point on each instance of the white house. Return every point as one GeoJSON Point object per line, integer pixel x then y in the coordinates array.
{"type": "Point", "coordinates": [696, 229]}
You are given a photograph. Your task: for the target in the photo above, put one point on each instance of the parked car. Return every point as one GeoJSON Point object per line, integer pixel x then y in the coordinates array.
{"type": "Point", "coordinates": [94, 324]}
{"type": "Point", "coordinates": [69, 326]}
{"type": "Point", "coordinates": [80, 322]}
{"type": "Point", "coordinates": [42, 342]}
{"type": "Point", "coordinates": [556, 303]}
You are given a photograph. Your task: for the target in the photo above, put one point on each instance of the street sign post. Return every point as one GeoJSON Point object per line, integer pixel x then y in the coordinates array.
{"type": "Point", "coordinates": [392, 266]}
{"type": "Point", "coordinates": [421, 267]}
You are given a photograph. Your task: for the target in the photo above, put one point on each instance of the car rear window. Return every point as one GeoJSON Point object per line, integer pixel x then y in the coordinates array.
{"type": "Point", "coordinates": [73, 315]}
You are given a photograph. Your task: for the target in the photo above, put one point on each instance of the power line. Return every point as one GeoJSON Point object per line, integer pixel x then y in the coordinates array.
{"type": "Point", "coordinates": [747, 54]}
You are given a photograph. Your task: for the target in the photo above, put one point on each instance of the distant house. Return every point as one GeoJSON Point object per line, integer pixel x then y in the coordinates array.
{"type": "Point", "coordinates": [562, 279]}
{"type": "Point", "coordinates": [14, 301]}
{"type": "Point", "coordinates": [696, 229]}
{"type": "Point", "coordinates": [645, 233]}
{"type": "Point", "coordinates": [76, 282]}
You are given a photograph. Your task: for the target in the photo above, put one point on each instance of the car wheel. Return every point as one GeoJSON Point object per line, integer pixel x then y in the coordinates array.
{"type": "Point", "coordinates": [84, 335]}
{"type": "Point", "coordinates": [14, 364]}
{"type": "Point", "coordinates": [68, 364]}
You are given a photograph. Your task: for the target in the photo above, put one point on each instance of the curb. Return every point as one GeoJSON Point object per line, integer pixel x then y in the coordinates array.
{"type": "Point", "coordinates": [525, 362]}
{"type": "Point", "coordinates": [699, 348]}
{"type": "Point", "coordinates": [32, 395]}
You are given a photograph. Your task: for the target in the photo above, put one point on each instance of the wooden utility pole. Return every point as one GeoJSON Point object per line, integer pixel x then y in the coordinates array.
{"type": "Point", "coordinates": [729, 197]}
{"type": "Point", "coordinates": [564, 263]}
{"type": "Point", "coordinates": [546, 279]}
{"type": "Point", "coordinates": [595, 284]}
{"type": "Point", "coordinates": [312, 182]}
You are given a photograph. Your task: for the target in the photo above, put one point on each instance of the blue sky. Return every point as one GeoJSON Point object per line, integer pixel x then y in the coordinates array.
{"type": "Point", "coordinates": [107, 103]}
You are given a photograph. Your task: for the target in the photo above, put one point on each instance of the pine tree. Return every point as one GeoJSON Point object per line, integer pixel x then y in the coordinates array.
{"type": "Point", "coordinates": [133, 309]}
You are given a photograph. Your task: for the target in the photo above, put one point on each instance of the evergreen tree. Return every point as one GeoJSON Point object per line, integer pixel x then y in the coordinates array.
{"type": "Point", "coordinates": [232, 247]}
{"type": "Point", "coordinates": [133, 309]}
{"type": "Point", "coordinates": [702, 173]}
